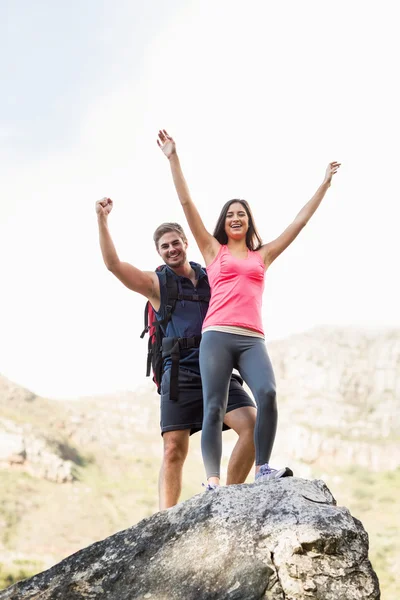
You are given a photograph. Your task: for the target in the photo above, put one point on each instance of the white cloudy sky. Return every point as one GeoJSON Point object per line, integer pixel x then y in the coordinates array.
{"type": "Point", "coordinates": [259, 95]}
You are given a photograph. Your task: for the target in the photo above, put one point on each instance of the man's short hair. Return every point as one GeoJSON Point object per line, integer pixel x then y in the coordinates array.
{"type": "Point", "coordinates": [168, 228]}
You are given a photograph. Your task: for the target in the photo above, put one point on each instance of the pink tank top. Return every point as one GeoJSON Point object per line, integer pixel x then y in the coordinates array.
{"type": "Point", "coordinates": [237, 286]}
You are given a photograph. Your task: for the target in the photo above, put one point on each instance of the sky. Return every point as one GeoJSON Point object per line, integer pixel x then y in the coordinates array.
{"type": "Point", "coordinates": [259, 97]}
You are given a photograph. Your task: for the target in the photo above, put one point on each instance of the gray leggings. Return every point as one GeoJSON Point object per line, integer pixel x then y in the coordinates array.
{"type": "Point", "coordinates": [220, 353]}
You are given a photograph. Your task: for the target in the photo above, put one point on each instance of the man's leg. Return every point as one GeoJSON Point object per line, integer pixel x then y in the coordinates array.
{"type": "Point", "coordinates": [176, 446]}
{"type": "Point", "coordinates": [242, 421]}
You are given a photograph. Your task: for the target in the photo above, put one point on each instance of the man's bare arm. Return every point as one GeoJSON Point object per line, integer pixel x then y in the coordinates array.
{"type": "Point", "coordinates": [142, 282]}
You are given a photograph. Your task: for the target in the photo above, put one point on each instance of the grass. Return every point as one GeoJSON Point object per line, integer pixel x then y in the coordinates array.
{"type": "Point", "coordinates": [373, 499]}
{"type": "Point", "coordinates": [17, 570]}
{"type": "Point", "coordinates": [15, 499]}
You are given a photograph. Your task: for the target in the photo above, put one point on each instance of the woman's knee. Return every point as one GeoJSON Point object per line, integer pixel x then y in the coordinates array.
{"type": "Point", "coordinates": [214, 413]}
{"type": "Point", "coordinates": [266, 398]}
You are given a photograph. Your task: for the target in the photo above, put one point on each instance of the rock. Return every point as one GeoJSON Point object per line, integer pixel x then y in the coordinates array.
{"type": "Point", "coordinates": [11, 442]}
{"type": "Point", "coordinates": [20, 448]}
{"type": "Point", "coordinates": [284, 539]}
{"type": "Point", "coordinates": [13, 393]}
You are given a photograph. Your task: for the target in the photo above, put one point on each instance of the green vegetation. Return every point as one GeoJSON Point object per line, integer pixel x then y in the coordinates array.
{"type": "Point", "coordinates": [18, 570]}
{"type": "Point", "coordinates": [373, 498]}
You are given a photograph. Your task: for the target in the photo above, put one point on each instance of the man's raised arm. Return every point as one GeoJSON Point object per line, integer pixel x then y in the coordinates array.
{"type": "Point", "coordinates": [143, 282]}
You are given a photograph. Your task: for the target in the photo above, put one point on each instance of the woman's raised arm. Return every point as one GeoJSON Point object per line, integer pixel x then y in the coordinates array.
{"type": "Point", "coordinates": [273, 249]}
{"type": "Point", "coordinates": [206, 242]}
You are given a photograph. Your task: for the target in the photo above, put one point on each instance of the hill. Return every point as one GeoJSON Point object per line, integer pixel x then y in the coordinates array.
{"type": "Point", "coordinates": [75, 472]}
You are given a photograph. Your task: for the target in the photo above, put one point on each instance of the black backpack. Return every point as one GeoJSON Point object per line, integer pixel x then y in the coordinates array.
{"type": "Point", "coordinates": [160, 347]}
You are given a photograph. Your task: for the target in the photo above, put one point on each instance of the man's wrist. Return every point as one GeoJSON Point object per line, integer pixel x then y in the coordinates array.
{"type": "Point", "coordinates": [102, 219]}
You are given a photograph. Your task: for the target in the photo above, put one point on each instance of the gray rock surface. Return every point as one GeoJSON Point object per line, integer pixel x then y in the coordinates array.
{"type": "Point", "coordinates": [283, 539]}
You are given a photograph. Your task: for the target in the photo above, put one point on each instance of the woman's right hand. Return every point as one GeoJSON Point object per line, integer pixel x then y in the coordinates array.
{"type": "Point", "coordinates": [166, 143]}
{"type": "Point", "coordinates": [331, 169]}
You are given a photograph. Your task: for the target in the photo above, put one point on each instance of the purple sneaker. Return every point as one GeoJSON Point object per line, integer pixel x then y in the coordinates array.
{"type": "Point", "coordinates": [266, 473]}
{"type": "Point", "coordinates": [210, 487]}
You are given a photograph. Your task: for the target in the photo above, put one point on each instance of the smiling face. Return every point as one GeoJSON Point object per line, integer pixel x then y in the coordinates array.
{"type": "Point", "coordinates": [236, 221]}
{"type": "Point", "coordinates": [172, 249]}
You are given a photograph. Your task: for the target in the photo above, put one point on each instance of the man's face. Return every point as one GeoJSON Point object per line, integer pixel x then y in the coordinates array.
{"type": "Point", "coordinates": [172, 249]}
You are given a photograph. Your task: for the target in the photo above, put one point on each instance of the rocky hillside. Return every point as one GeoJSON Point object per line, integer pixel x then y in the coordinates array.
{"type": "Point", "coordinates": [339, 397]}
{"type": "Point", "coordinates": [76, 472]}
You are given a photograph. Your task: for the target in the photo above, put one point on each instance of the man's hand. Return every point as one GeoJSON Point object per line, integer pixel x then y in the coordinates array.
{"type": "Point", "coordinates": [330, 171]}
{"type": "Point", "coordinates": [104, 207]}
{"type": "Point", "coordinates": [166, 143]}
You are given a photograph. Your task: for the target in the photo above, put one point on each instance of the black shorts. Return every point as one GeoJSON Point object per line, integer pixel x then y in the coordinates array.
{"type": "Point", "coordinates": [187, 411]}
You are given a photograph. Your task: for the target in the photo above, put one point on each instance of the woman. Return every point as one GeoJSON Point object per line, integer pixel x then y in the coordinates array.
{"type": "Point", "coordinates": [233, 335]}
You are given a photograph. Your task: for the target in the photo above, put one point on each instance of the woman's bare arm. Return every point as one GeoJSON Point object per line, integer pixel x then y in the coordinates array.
{"type": "Point", "coordinates": [206, 242]}
{"type": "Point", "coordinates": [273, 249]}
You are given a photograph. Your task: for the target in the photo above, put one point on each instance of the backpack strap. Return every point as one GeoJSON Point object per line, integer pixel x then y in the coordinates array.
{"type": "Point", "coordinates": [169, 282]}
{"type": "Point", "coordinates": [194, 297]}
{"type": "Point", "coordinates": [148, 310]}
{"type": "Point", "coordinates": [174, 380]}
{"type": "Point", "coordinates": [172, 297]}
{"type": "Point", "coordinates": [146, 321]}
{"type": "Point", "coordinates": [149, 345]}
{"type": "Point", "coordinates": [172, 348]}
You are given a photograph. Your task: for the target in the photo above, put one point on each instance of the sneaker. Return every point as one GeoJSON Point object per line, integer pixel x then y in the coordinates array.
{"type": "Point", "coordinates": [210, 487]}
{"type": "Point", "coordinates": [266, 473]}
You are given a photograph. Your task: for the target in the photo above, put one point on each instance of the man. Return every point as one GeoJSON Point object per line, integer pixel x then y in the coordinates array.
{"type": "Point", "coordinates": [182, 416]}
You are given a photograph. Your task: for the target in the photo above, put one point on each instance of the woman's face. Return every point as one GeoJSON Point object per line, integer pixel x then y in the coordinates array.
{"type": "Point", "coordinates": [236, 221]}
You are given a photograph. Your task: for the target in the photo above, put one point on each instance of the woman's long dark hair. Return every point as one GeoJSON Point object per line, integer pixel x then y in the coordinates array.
{"type": "Point", "coordinates": [253, 239]}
